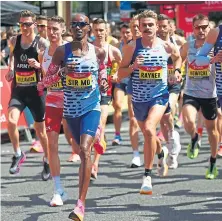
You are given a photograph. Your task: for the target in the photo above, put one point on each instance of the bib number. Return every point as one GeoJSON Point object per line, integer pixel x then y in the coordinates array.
{"type": "Point", "coordinates": [56, 87]}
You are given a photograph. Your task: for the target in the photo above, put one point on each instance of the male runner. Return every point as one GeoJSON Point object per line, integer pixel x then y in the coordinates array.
{"type": "Point", "coordinates": [200, 92]}
{"type": "Point", "coordinates": [146, 61]}
{"type": "Point", "coordinates": [81, 97]}
{"type": "Point", "coordinates": [42, 26]}
{"type": "Point", "coordinates": [120, 88]}
{"type": "Point", "coordinates": [24, 74]}
{"type": "Point", "coordinates": [112, 54]}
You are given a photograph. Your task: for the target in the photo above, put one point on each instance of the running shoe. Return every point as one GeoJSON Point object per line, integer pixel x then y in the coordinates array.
{"type": "Point", "coordinates": [162, 167]}
{"type": "Point", "coordinates": [219, 153]}
{"type": "Point", "coordinates": [117, 140]}
{"type": "Point", "coordinates": [146, 187]}
{"type": "Point", "coordinates": [36, 147]}
{"type": "Point", "coordinates": [94, 172]}
{"type": "Point", "coordinates": [172, 161]}
{"type": "Point", "coordinates": [192, 152]}
{"type": "Point", "coordinates": [46, 171]}
{"type": "Point", "coordinates": [178, 124]}
{"type": "Point", "coordinates": [211, 172]}
{"type": "Point", "coordinates": [73, 157]}
{"type": "Point", "coordinates": [58, 199]}
{"type": "Point", "coordinates": [78, 213]}
{"type": "Point", "coordinates": [16, 163]}
{"type": "Point", "coordinates": [135, 162]}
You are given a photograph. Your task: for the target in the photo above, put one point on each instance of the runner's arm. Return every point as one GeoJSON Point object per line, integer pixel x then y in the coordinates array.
{"type": "Point", "coordinates": [175, 55]}
{"type": "Point", "coordinates": [126, 69]}
{"type": "Point", "coordinates": [184, 52]}
{"type": "Point", "coordinates": [52, 75]}
{"type": "Point", "coordinates": [11, 57]}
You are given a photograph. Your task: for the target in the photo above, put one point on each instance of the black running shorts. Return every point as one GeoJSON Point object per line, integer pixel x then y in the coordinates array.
{"type": "Point", "coordinates": [208, 105]}
{"type": "Point", "coordinates": [29, 97]}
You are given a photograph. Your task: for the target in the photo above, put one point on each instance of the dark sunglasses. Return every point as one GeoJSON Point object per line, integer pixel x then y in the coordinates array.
{"type": "Point", "coordinates": [203, 27]}
{"type": "Point", "coordinates": [41, 26]}
{"type": "Point", "coordinates": [27, 24]}
{"type": "Point", "coordinates": [81, 24]}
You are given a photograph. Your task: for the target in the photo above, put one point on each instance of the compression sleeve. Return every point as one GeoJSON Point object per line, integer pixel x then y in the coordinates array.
{"type": "Point", "coordinates": [52, 75]}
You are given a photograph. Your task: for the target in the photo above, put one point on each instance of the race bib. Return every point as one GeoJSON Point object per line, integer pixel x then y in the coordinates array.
{"type": "Point", "coordinates": [198, 71]}
{"type": "Point", "coordinates": [56, 87]}
{"type": "Point", "coordinates": [151, 73]}
{"type": "Point", "coordinates": [79, 81]}
{"type": "Point", "coordinates": [26, 78]}
{"type": "Point", "coordinates": [170, 69]}
{"type": "Point", "coordinates": [183, 70]}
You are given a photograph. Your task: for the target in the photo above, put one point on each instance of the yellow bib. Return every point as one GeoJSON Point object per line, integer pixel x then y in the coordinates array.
{"type": "Point", "coordinates": [170, 69]}
{"type": "Point", "coordinates": [79, 80]}
{"type": "Point", "coordinates": [150, 73]}
{"type": "Point", "coordinates": [26, 78]}
{"type": "Point", "coordinates": [198, 71]}
{"type": "Point", "coordinates": [57, 86]}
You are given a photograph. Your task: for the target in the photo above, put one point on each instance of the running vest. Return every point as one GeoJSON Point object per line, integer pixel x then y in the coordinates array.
{"type": "Point", "coordinates": [25, 76]}
{"type": "Point", "coordinates": [200, 80]}
{"type": "Point", "coordinates": [81, 89]}
{"type": "Point", "coordinates": [217, 47]}
{"type": "Point", "coordinates": [170, 65]}
{"type": "Point", "coordinates": [150, 80]}
{"type": "Point", "coordinates": [54, 97]}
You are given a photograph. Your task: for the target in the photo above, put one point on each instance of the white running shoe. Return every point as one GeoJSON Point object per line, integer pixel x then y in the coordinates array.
{"type": "Point", "coordinates": [58, 200]}
{"type": "Point", "coordinates": [172, 161]}
{"type": "Point", "coordinates": [162, 166]}
{"type": "Point", "coordinates": [146, 187]}
{"type": "Point", "coordinates": [135, 162]}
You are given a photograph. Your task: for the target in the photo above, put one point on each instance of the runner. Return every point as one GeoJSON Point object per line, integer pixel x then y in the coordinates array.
{"type": "Point", "coordinates": [200, 92]}
{"type": "Point", "coordinates": [24, 62]}
{"type": "Point", "coordinates": [120, 88]}
{"type": "Point", "coordinates": [214, 39]}
{"type": "Point", "coordinates": [171, 136]}
{"type": "Point", "coordinates": [134, 127]}
{"type": "Point", "coordinates": [146, 60]}
{"type": "Point", "coordinates": [112, 54]}
{"type": "Point", "coordinates": [42, 26]}
{"type": "Point", "coordinates": [81, 97]}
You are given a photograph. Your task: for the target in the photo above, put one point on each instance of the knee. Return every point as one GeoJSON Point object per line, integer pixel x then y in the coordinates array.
{"type": "Point", "coordinates": [85, 152]}
{"type": "Point", "coordinates": [40, 132]}
{"type": "Point", "coordinates": [12, 123]}
{"type": "Point", "coordinates": [149, 131]}
{"type": "Point", "coordinates": [133, 122]}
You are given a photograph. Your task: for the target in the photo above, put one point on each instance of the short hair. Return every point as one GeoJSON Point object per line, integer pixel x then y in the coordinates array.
{"type": "Point", "coordinates": [200, 17]}
{"type": "Point", "coordinates": [179, 32]}
{"type": "Point", "coordinates": [220, 22]}
{"type": "Point", "coordinates": [162, 17]}
{"type": "Point", "coordinates": [134, 18]}
{"type": "Point", "coordinates": [57, 18]}
{"type": "Point", "coordinates": [172, 21]}
{"type": "Point", "coordinates": [27, 13]}
{"type": "Point", "coordinates": [212, 23]}
{"type": "Point", "coordinates": [124, 25]}
{"type": "Point", "coordinates": [98, 21]}
{"type": "Point", "coordinates": [42, 17]}
{"type": "Point", "coordinates": [148, 14]}
{"type": "Point", "coordinates": [9, 34]}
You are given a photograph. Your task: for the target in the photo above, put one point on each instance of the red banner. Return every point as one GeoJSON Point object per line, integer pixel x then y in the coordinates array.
{"type": "Point", "coordinates": [5, 96]}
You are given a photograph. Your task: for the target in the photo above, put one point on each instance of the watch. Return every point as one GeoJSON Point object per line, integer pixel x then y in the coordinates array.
{"type": "Point", "coordinates": [178, 69]}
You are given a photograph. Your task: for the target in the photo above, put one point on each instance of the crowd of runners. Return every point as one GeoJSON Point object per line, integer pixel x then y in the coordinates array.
{"type": "Point", "coordinates": [70, 77]}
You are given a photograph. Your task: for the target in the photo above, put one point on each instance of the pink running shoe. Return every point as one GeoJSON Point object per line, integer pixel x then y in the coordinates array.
{"type": "Point", "coordinates": [78, 213]}
{"type": "Point", "coordinates": [36, 147]}
{"type": "Point", "coordinates": [73, 157]}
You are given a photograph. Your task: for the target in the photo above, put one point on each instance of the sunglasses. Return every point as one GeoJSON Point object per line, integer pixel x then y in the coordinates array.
{"type": "Point", "coordinates": [27, 24]}
{"type": "Point", "coordinates": [81, 24]}
{"type": "Point", "coordinates": [203, 27]}
{"type": "Point", "coordinates": [41, 26]}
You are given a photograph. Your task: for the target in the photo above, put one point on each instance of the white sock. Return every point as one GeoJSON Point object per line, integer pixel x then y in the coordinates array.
{"type": "Point", "coordinates": [136, 153]}
{"type": "Point", "coordinates": [18, 152]}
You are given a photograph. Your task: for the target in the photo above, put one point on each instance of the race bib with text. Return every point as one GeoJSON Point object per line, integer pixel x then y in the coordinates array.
{"type": "Point", "coordinates": [57, 86]}
{"type": "Point", "coordinates": [170, 69]}
{"type": "Point", "coordinates": [79, 81]}
{"type": "Point", "coordinates": [26, 78]}
{"type": "Point", "coordinates": [198, 71]}
{"type": "Point", "coordinates": [151, 74]}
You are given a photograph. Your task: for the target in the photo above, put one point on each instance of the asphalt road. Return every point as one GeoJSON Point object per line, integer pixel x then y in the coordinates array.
{"type": "Point", "coordinates": [184, 195]}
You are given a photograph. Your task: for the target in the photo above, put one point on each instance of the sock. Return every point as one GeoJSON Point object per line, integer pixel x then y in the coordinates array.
{"type": "Point", "coordinates": [136, 153]}
{"type": "Point", "coordinates": [160, 155]}
{"type": "Point", "coordinates": [194, 140]}
{"type": "Point", "coordinates": [212, 160]}
{"type": "Point", "coordinates": [18, 152]}
{"type": "Point", "coordinates": [148, 172]}
{"type": "Point", "coordinates": [200, 131]}
{"type": "Point", "coordinates": [57, 184]}
{"type": "Point", "coordinates": [117, 133]}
